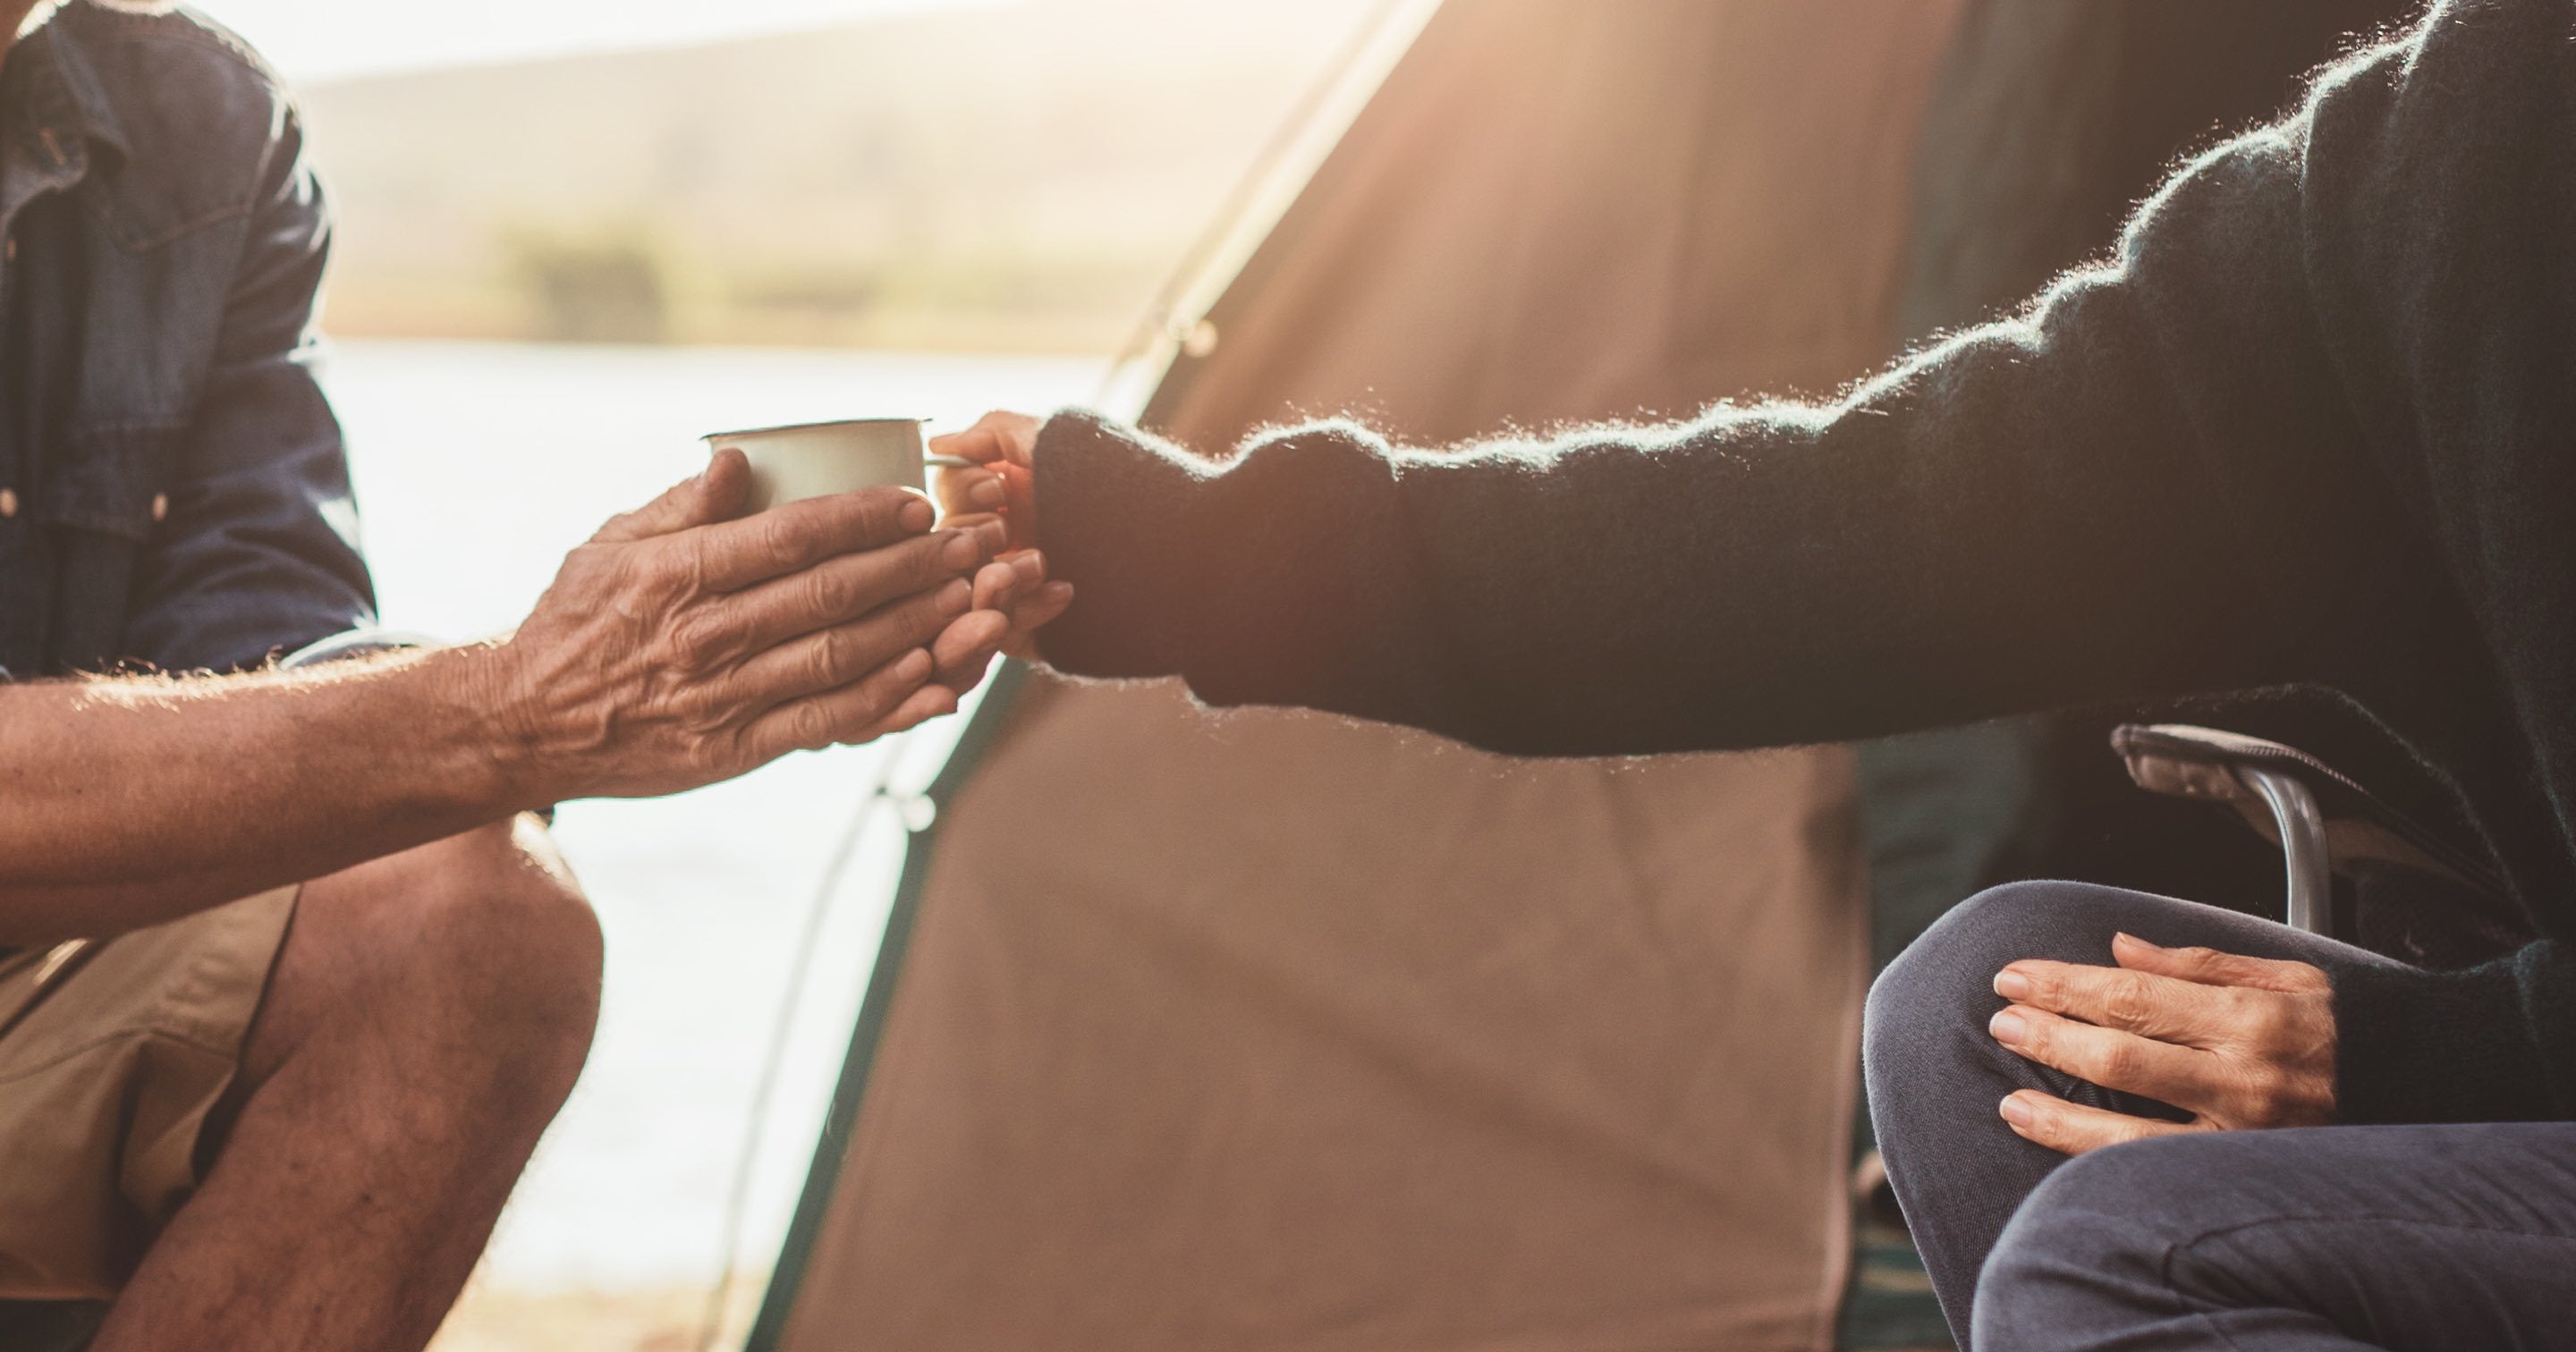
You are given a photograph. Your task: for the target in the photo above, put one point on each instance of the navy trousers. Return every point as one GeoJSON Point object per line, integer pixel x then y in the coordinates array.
{"type": "Point", "coordinates": [2401, 1237]}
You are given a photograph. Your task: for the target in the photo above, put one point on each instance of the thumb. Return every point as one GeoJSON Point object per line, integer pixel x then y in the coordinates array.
{"type": "Point", "coordinates": [714, 494]}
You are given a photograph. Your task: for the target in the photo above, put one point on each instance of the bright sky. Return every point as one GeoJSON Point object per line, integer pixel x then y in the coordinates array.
{"type": "Point", "coordinates": [327, 39]}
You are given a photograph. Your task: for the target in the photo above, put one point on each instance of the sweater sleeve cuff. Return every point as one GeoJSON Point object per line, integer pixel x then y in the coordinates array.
{"type": "Point", "coordinates": [2416, 1046]}
{"type": "Point", "coordinates": [1114, 518]}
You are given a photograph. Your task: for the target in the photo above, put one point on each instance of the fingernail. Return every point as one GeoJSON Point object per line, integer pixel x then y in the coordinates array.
{"type": "Point", "coordinates": [956, 597]}
{"type": "Point", "coordinates": [914, 666]}
{"type": "Point", "coordinates": [2012, 985]}
{"type": "Point", "coordinates": [2015, 1111]}
{"type": "Point", "coordinates": [2008, 1028]}
{"type": "Point", "coordinates": [1061, 591]}
{"type": "Point", "coordinates": [914, 516]}
{"type": "Point", "coordinates": [995, 535]}
{"type": "Point", "coordinates": [986, 493]}
{"type": "Point", "coordinates": [2124, 937]}
{"type": "Point", "coordinates": [962, 551]}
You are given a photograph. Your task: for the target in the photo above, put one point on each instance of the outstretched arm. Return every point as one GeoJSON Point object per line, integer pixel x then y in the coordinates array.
{"type": "Point", "coordinates": [2147, 485]}
{"type": "Point", "coordinates": [679, 647]}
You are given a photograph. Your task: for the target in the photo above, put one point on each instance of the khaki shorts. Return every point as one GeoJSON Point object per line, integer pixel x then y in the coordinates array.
{"type": "Point", "coordinates": [112, 1052]}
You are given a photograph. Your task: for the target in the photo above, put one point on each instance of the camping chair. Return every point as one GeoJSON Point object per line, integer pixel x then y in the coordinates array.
{"type": "Point", "coordinates": [2356, 869]}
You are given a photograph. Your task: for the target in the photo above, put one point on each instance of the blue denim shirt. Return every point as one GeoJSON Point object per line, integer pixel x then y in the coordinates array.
{"type": "Point", "coordinates": [173, 490]}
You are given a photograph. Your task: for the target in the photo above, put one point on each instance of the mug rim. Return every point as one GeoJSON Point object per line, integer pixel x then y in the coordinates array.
{"type": "Point", "coordinates": [816, 427]}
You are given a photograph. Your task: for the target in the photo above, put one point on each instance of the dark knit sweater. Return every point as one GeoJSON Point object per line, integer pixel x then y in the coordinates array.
{"type": "Point", "coordinates": [2314, 425]}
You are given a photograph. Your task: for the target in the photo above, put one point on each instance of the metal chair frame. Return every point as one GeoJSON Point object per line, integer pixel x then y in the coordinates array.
{"type": "Point", "coordinates": [2324, 822]}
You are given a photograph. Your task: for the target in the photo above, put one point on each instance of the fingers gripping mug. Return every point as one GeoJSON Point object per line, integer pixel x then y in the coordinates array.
{"type": "Point", "coordinates": [812, 460]}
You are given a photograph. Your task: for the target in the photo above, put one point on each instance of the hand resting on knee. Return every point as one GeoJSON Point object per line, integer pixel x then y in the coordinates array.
{"type": "Point", "coordinates": [2237, 1042]}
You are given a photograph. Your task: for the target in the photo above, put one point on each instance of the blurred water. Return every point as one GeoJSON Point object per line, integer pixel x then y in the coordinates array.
{"type": "Point", "coordinates": [477, 466]}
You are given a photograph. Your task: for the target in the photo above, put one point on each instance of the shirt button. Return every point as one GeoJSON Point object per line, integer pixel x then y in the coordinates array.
{"type": "Point", "coordinates": [160, 506]}
{"type": "Point", "coordinates": [8, 502]}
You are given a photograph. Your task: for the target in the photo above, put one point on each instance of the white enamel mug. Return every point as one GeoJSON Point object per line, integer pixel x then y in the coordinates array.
{"type": "Point", "coordinates": [812, 460]}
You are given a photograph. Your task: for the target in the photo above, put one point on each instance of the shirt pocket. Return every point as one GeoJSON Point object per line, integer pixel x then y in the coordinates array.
{"type": "Point", "coordinates": [110, 480]}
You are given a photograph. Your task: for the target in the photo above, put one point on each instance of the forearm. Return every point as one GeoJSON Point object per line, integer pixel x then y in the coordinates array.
{"type": "Point", "coordinates": [2040, 515]}
{"type": "Point", "coordinates": [684, 644]}
{"type": "Point", "coordinates": [131, 802]}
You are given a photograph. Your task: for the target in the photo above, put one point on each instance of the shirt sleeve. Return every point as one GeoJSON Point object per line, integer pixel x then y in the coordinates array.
{"type": "Point", "coordinates": [259, 553]}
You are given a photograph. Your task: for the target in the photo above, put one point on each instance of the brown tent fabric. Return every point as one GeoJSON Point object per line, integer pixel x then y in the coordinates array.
{"type": "Point", "coordinates": [1274, 1030]}
{"type": "Point", "coordinates": [1566, 210]}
